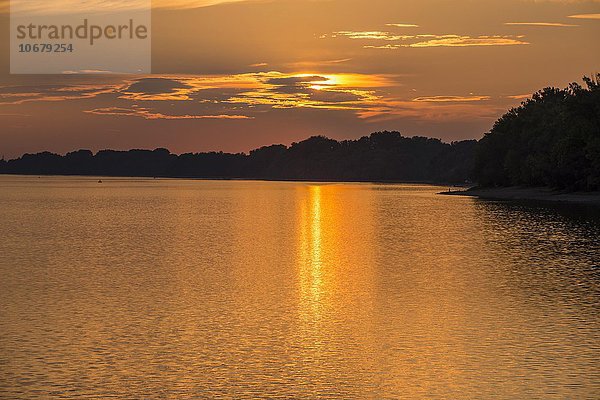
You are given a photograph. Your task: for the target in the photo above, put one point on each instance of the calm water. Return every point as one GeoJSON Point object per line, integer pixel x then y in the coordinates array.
{"type": "Point", "coordinates": [179, 289]}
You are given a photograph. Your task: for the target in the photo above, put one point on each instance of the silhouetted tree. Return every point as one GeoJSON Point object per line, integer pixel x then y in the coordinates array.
{"type": "Point", "coordinates": [552, 139]}
{"type": "Point", "coordinates": [382, 156]}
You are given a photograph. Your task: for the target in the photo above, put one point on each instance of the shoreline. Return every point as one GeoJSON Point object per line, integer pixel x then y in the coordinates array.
{"type": "Point", "coordinates": [358, 181]}
{"type": "Point", "coordinates": [530, 194]}
{"type": "Point", "coordinates": [515, 193]}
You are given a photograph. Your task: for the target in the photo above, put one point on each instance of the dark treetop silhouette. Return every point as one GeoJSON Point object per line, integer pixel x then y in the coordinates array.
{"type": "Point", "coordinates": [552, 139]}
{"type": "Point", "coordinates": [383, 156]}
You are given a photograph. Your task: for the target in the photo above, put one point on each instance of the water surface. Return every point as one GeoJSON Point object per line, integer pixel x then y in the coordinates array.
{"type": "Point", "coordinates": [189, 289]}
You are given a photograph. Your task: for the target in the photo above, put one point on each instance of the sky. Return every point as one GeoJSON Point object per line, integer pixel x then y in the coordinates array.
{"type": "Point", "coordinates": [233, 76]}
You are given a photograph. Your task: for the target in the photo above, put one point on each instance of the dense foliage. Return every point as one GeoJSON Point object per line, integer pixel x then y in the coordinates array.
{"type": "Point", "coordinates": [552, 139]}
{"type": "Point", "coordinates": [382, 156]}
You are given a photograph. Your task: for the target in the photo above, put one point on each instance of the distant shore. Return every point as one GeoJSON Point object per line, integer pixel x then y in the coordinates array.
{"type": "Point", "coordinates": [238, 179]}
{"type": "Point", "coordinates": [526, 193]}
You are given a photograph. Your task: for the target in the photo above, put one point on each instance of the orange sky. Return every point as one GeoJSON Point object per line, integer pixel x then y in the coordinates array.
{"type": "Point", "coordinates": [239, 75]}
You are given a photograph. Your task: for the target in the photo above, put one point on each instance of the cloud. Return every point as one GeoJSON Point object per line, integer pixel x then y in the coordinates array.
{"type": "Point", "coordinates": [450, 99]}
{"type": "Point", "coordinates": [304, 65]}
{"type": "Point", "coordinates": [549, 24]}
{"type": "Point", "coordinates": [335, 96]}
{"type": "Point", "coordinates": [585, 16]}
{"type": "Point", "coordinates": [250, 95]}
{"type": "Point", "coordinates": [403, 25]}
{"type": "Point", "coordinates": [519, 96]}
{"type": "Point", "coordinates": [430, 111]}
{"type": "Point", "coordinates": [428, 40]}
{"type": "Point", "coordinates": [297, 80]}
{"type": "Point", "coordinates": [158, 89]}
{"type": "Point", "coordinates": [371, 35]}
{"type": "Point", "coordinates": [227, 92]}
{"type": "Point", "coordinates": [332, 92]}
{"type": "Point", "coordinates": [454, 41]}
{"type": "Point", "coordinates": [15, 95]}
{"type": "Point", "coordinates": [45, 7]}
{"type": "Point", "coordinates": [152, 115]}
{"type": "Point", "coordinates": [156, 86]}
{"type": "Point", "coordinates": [467, 41]}
{"type": "Point", "coordinates": [241, 96]}
{"type": "Point", "coordinates": [62, 7]}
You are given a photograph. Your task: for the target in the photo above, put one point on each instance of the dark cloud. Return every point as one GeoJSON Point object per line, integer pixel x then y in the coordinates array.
{"type": "Point", "coordinates": [25, 93]}
{"type": "Point", "coordinates": [295, 84]}
{"type": "Point", "coordinates": [156, 86]}
{"type": "Point", "coordinates": [216, 95]}
{"type": "Point", "coordinates": [295, 80]}
{"type": "Point", "coordinates": [334, 96]}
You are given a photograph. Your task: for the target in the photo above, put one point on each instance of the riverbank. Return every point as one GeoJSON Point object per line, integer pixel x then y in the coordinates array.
{"type": "Point", "coordinates": [234, 179]}
{"type": "Point", "coordinates": [533, 194]}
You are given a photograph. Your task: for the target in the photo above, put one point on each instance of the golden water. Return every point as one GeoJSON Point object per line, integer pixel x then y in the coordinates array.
{"type": "Point", "coordinates": [190, 289]}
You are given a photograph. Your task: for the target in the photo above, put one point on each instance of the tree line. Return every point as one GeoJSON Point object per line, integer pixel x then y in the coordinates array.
{"type": "Point", "coordinates": [552, 139]}
{"type": "Point", "coordinates": [382, 156]}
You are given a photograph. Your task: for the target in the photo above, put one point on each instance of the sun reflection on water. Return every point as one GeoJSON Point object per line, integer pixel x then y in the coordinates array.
{"type": "Point", "coordinates": [311, 252]}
